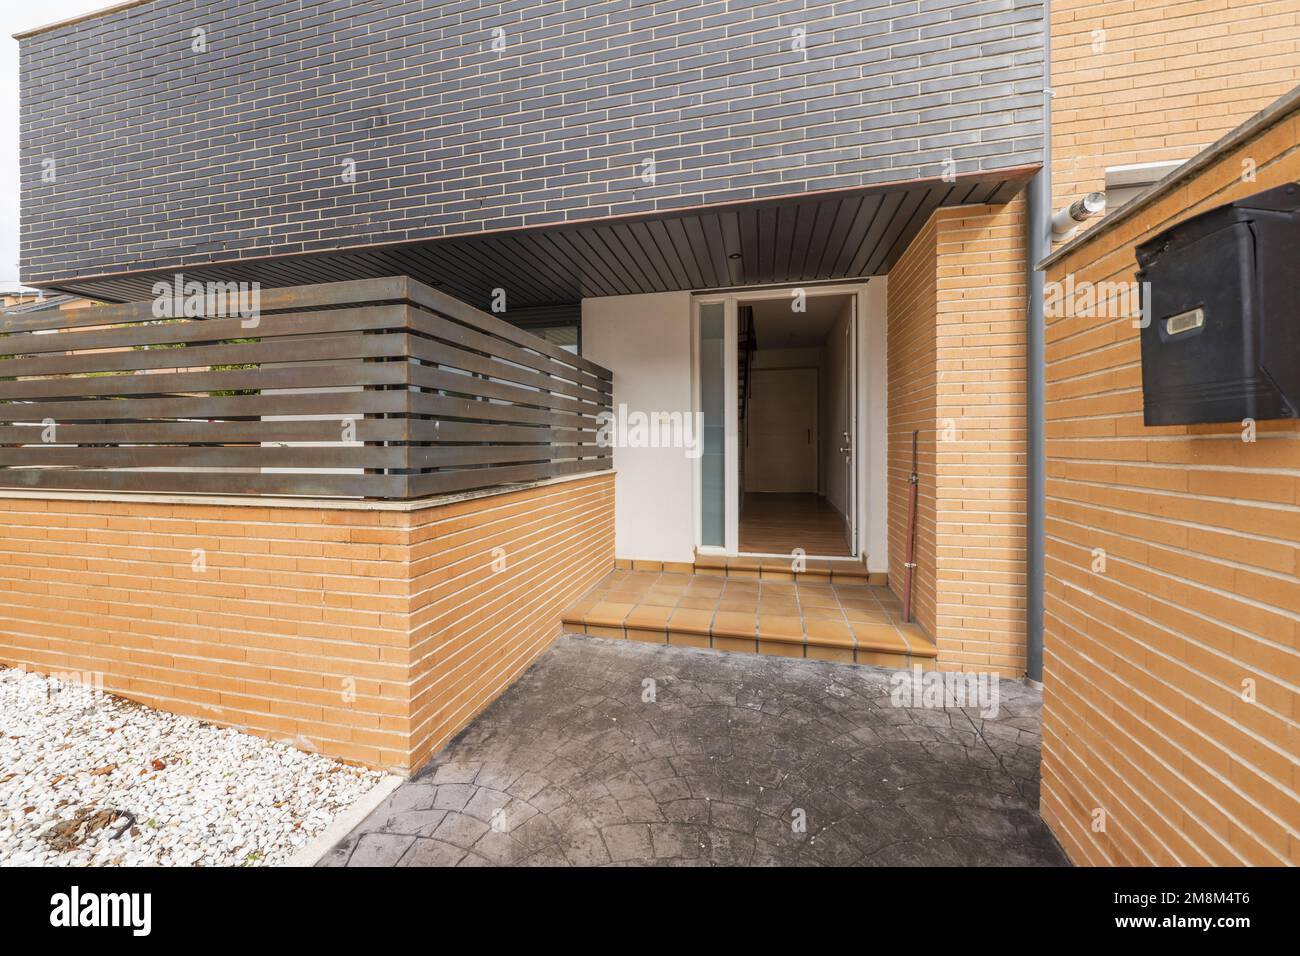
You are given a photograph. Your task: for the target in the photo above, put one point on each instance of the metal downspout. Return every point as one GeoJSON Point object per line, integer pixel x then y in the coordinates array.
{"type": "Point", "coordinates": [1039, 224]}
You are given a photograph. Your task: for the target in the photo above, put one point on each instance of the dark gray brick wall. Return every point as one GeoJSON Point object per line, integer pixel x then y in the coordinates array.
{"type": "Point", "coordinates": [164, 157]}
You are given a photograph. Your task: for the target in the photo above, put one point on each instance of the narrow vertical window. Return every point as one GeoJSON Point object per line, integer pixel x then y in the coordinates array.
{"type": "Point", "coordinates": [713, 390]}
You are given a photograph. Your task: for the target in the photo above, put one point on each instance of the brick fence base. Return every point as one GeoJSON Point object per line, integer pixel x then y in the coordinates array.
{"type": "Point", "coordinates": [363, 631]}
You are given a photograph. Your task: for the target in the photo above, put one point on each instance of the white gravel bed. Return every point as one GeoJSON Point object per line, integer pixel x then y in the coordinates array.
{"type": "Point", "coordinates": [89, 779]}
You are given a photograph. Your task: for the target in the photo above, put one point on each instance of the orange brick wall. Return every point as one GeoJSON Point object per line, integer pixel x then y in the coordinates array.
{"type": "Point", "coordinates": [338, 630]}
{"type": "Point", "coordinates": [957, 372]}
{"type": "Point", "coordinates": [910, 372]}
{"type": "Point", "coordinates": [293, 604]}
{"type": "Point", "coordinates": [981, 623]}
{"type": "Point", "coordinates": [1145, 719]}
{"type": "Point", "coordinates": [1171, 77]}
{"type": "Point", "coordinates": [489, 585]}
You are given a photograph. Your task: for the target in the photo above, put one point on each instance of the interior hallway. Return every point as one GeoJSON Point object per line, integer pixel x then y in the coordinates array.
{"type": "Point", "coordinates": [779, 523]}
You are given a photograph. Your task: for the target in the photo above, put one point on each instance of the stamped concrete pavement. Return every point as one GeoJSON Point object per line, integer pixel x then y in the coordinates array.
{"type": "Point", "coordinates": [623, 753]}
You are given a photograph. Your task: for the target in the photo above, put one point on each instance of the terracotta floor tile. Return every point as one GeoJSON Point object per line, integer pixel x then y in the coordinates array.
{"type": "Point", "coordinates": [649, 616]}
{"type": "Point", "coordinates": [815, 587]}
{"type": "Point", "coordinates": [822, 613]}
{"type": "Point", "coordinates": [824, 587]}
{"type": "Point", "coordinates": [917, 640]}
{"type": "Point", "coordinates": [662, 598]}
{"type": "Point", "coordinates": [822, 578]}
{"type": "Point", "coordinates": [843, 576]}
{"type": "Point", "coordinates": [626, 595]}
{"type": "Point", "coordinates": [688, 640]}
{"type": "Point", "coordinates": [690, 621]}
{"type": "Point", "coordinates": [734, 623]}
{"type": "Point", "coordinates": [706, 586]}
{"type": "Point", "coordinates": [780, 648]}
{"type": "Point", "coordinates": [671, 580]}
{"type": "Point", "coordinates": [736, 645]}
{"type": "Point", "coordinates": [818, 600]}
{"type": "Point", "coordinates": [841, 655]}
{"type": "Point", "coordinates": [866, 617]}
{"type": "Point", "coordinates": [738, 604]}
{"type": "Point", "coordinates": [879, 637]}
{"type": "Point", "coordinates": [865, 604]}
{"type": "Point", "coordinates": [609, 614]}
{"type": "Point", "coordinates": [882, 659]}
{"type": "Point", "coordinates": [780, 627]}
{"type": "Point", "coordinates": [785, 616]}
{"type": "Point", "coordinates": [835, 633]}
{"type": "Point", "coordinates": [576, 611]}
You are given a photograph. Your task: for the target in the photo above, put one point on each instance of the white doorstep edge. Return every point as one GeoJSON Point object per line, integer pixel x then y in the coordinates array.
{"type": "Point", "coordinates": [345, 823]}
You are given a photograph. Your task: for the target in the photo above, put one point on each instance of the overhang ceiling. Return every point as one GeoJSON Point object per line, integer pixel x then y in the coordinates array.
{"type": "Point", "coordinates": [812, 237]}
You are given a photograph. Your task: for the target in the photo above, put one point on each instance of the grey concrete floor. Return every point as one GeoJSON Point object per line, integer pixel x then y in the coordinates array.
{"type": "Point", "coordinates": [618, 752]}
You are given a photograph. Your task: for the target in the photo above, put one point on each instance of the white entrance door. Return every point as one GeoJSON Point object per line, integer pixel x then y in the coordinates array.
{"type": "Point", "coordinates": [781, 450]}
{"type": "Point", "coordinates": [842, 482]}
{"type": "Point", "coordinates": [777, 450]}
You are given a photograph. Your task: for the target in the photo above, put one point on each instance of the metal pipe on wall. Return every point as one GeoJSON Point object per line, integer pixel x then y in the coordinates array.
{"type": "Point", "coordinates": [1038, 245]}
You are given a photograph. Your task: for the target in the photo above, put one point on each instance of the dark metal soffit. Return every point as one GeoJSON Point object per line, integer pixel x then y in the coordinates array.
{"type": "Point", "coordinates": [805, 238]}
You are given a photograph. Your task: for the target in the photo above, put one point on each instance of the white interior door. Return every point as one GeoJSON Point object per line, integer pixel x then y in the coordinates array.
{"type": "Point", "coordinates": [781, 453]}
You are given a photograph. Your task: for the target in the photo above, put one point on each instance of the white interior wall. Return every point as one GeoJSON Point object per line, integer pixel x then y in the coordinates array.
{"type": "Point", "coordinates": [645, 340]}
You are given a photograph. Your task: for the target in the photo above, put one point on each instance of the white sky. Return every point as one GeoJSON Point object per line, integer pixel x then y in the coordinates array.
{"type": "Point", "coordinates": [15, 17]}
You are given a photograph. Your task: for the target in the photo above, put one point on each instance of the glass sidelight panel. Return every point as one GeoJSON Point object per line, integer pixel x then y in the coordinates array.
{"type": "Point", "coordinates": [713, 407]}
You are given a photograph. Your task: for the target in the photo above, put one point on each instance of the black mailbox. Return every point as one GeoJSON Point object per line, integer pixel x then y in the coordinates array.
{"type": "Point", "coordinates": [1221, 304]}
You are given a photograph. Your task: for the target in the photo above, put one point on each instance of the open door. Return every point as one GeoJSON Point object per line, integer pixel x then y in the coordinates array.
{"type": "Point", "coordinates": [796, 375]}
{"type": "Point", "coordinates": [847, 407]}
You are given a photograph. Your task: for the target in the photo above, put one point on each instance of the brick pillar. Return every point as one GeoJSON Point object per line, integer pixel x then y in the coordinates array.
{"type": "Point", "coordinates": [957, 372]}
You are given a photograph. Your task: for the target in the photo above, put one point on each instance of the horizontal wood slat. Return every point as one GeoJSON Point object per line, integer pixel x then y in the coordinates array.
{"type": "Point", "coordinates": [376, 388]}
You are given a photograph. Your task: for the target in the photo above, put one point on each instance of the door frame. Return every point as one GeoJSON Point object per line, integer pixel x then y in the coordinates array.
{"type": "Point", "coordinates": [868, 516]}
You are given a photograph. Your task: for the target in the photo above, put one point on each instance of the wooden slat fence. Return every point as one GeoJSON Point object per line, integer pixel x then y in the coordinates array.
{"type": "Point", "coordinates": [376, 388]}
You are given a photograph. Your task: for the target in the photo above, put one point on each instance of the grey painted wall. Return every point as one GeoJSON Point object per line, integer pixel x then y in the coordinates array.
{"type": "Point", "coordinates": [162, 156]}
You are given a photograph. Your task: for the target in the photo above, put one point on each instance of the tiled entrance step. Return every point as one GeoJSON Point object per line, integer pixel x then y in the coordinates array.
{"type": "Point", "coordinates": [784, 568]}
{"type": "Point", "coordinates": [824, 620]}
{"type": "Point", "coordinates": [750, 567]}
